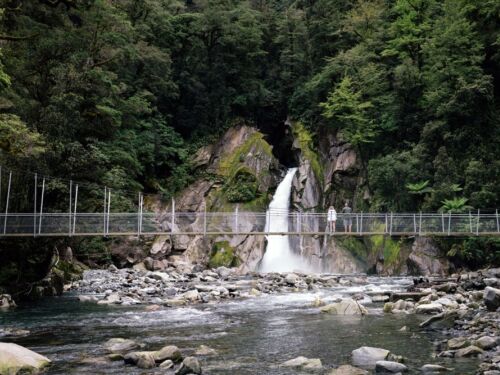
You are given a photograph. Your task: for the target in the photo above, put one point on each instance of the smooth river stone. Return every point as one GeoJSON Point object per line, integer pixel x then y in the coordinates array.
{"type": "Point", "coordinates": [15, 358]}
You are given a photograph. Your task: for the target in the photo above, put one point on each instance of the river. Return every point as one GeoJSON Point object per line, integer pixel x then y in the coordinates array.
{"type": "Point", "coordinates": [251, 336]}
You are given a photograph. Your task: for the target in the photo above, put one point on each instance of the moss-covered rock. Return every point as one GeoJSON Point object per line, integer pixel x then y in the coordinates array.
{"type": "Point", "coordinates": [71, 271]}
{"type": "Point", "coordinates": [15, 359]}
{"type": "Point", "coordinates": [223, 255]}
{"type": "Point", "coordinates": [255, 146]}
{"type": "Point", "coordinates": [242, 187]}
{"type": "Point", "coordinates": [303, 140]}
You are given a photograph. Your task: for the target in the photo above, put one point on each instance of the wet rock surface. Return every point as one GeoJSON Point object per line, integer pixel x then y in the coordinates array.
{"type": "Point", "coordinates": [464, 309]}
{"type": "Point", "coordinates": [172, 288]}
{"type": "Point", "coordinates": [16, 359]}
{"type": "Point", "coordinates": [462, 326]}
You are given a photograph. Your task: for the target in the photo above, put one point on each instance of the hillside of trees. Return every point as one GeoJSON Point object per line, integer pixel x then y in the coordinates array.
{"type": "Point", "coordinates": [120, 92]}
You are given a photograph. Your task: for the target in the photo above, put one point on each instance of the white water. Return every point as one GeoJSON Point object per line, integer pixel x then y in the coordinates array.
{"type": "Point", "coordinates": [279, 257]}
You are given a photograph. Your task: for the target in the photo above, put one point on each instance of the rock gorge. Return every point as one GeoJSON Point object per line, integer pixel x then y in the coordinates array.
{"type": "Point", "coordinates": [240, 172]}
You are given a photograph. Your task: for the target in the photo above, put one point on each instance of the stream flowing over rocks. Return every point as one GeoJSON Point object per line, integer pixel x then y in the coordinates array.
{"type": "Point", "coordinates": [221, 322]}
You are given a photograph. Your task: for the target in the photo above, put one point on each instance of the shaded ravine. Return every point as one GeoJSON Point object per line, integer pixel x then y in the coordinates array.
{"type": "Point", "coordinates": [251, 336]}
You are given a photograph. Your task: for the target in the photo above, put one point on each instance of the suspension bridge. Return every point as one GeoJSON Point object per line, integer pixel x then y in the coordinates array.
{"type": "Point", "coordinates": [102, 214]}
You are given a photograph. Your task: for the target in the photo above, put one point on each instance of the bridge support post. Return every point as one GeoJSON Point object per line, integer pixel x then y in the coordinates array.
{"type": "Point", "coordinates": [109, 208]}
{"type": "Point", "coordinates": [139, 215]}
{"type": "Point", "coordinates": [414, 223]}
{"type": "Point", "coordinates": [449, 223]}
{"type": "Point", "coordinates": [386, 224]}
{"type": "Point", "coordinates": [104, 211]}
{"type": "Point", "coordinates": [41, 207]}
{"type": "Point", "coordinates": [70, 204]}
{"type": "Point", "coordinates": [7, 204]}
{"type": "Point", "coordinates": [74, 211]}
{"type": "Point", "coordinates": [442, 222]}
{"type": "Point", "coordinates": [498, 222]}
{"type": "Point", "coordinates": [205, 219]}
{"type": "Point", "coordinates": [361, 224]}
{"type": "Point", "coordinates": [268, 221]}
{"type": "Point", "coordinates": [390, 230]}
{"type": "Point", "coordinates": [172, 222]}
{"type": "Point", "coordinates": [34, 205]}
{"type": "Point", "coordinates": [420, 224]}
{"type": "Point", "coordinates": [470, 221]}
{"type": "Point", "coordinates": [235, 229]}
{"type": "Point", "coordinates": [477, 226]}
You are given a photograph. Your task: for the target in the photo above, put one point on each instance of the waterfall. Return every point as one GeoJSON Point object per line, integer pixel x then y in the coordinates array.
{"type": "Point", "coordinates": [278, 256]}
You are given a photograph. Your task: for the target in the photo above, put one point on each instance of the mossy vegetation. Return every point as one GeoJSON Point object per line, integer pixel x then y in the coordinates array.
{"type": "Point", "coordinates": [390, 248]}
{"type": "Point", "coordinates": [305, 141]}
{"type": "Point", "coordinates": [357, 247]}
{"type": "Point", "coordinates": [242, 187]}
{"type": "Point", "coordinates": [71, 271]}
{"type": "Point", "coordinates": [223, 255]}
{"type": "Point", "coordinates": [241, 183]}
{"type": "Point", "coordinates": [370, 248]}
{"type": "Point", "coordinates": [255, 143]}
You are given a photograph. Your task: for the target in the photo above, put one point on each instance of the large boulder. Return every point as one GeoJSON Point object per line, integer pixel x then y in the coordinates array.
{"type": "Point", "coordinates": [171, 352]}
{"type": "Point", "coordinates": [204, 350]}
{"type": "Point", "coordinates": [16, 359]}
{"type": "Point", "coordinates": [457, 343]}
{"type": "Point", "coordinates": [426, 259]}
{"type": "Point", "coordinates": [390, 367]}
{"type": "Point", "coordinates": [470, 351]}
{"type": "Point", "coordinates": [492, 298]}
{"type": "Point", "coordinates": [140, 359]}
{"type": "Point", "coordinates": [190, 365]}
{"type": "Point", "coordinates": [486, 342]}
{"type": "Point", "coordinates": [429, 308]}
{"type": "Point", "coordinates": [6, 301]}
{"type": "Point", "coordinates": [304, 364]}
{"type": "Point", "coordinates": [347, 306]}
{"type": "Point", "coordinates": [368, 356]}
{"type": "Point", "coordinates": [120, 345]}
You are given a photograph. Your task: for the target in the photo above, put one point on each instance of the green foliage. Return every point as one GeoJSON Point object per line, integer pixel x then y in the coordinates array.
{"type": "Point", "coordinates": [355, 246]}
{"type": "Point", "coordinates": [419, 187]}
{"type": "Point", "coordinates": [475, 252]}
{"type": "Point", "coordinates": [16, 140]}
{"type": "Point", "coordinates": [455, 205]}
{"type": "Point", "coordinates": [305, 142]}
{"type": "Point", "coordinates": [231, 163]}
{"type": "Point", "coordinates": [391, 248]}
{"type": "Point", "coordinates": [389, 176]}
{"type": "Point", "coordinates": [122, 92]}
{"type": "Point", "coordinates": [348, 112]}
{"type": "Point", "coordinates": [242, 187]}
{"type": "Point", "coordinates": [223, 255]}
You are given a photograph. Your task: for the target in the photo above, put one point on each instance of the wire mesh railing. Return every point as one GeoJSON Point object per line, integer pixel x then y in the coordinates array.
{"type": "Point", "coordinates": [247, 223]}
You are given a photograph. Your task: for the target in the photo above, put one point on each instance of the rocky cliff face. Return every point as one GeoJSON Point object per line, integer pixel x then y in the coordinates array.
{"type": "Point", "coordinates": [237, 172]}
{"type": "Point", "coordinates": [240, 172]}
{"type": "Point", "coordinates": [331, 174]}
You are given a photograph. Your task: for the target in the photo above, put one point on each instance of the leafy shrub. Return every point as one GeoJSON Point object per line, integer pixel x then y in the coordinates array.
{"type": "Point", "coordinates": [242, 187]}
{"type": "Point", "coordinates": [476, 252]}
{"type": "Point", "coordinates": [223, 255]}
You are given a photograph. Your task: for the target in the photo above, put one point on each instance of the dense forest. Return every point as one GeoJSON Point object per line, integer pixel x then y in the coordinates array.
{"type": "Point", "coordinates": [120, 92]}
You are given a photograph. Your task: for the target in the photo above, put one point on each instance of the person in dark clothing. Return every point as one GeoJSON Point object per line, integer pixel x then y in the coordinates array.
{"type": "Point", "coordinates": [347, 217]}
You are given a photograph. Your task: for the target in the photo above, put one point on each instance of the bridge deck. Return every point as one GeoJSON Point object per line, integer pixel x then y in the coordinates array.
{"type": "Point", "coordinates": [336, 234]}
{"type": "Point", "coordinates": [245, 224]}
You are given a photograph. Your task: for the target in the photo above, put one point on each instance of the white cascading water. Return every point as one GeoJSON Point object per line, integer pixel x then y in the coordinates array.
{"type": "Point", "coordinates": [279, 257]}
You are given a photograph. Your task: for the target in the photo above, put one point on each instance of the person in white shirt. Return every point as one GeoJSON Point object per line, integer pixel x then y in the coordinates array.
{"type": "Point", "coordinates": [331, 218]}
